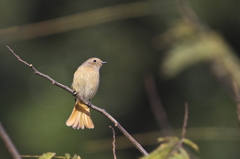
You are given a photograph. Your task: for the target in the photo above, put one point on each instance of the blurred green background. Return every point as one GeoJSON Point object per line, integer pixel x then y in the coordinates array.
{"type": "Point", "coordinates": [135, 38]}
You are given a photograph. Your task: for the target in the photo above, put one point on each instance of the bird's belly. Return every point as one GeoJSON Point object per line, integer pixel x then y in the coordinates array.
{"type": "Point", "coordinates": [88, 91]}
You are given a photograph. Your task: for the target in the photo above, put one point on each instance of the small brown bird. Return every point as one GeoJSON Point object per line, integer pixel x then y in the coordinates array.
{"type": "Point", "coordinates": [85, 83]}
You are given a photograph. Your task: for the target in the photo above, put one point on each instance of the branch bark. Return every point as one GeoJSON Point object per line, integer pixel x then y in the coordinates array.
{"type": "Point", "coordinates": [77, 21]}
{"type": "Point", "coordinates": [156, 105]}
{"type": "Point", "coordinates": [104, 112]}
{"type": "Point", "coordinates": [9, 144]}
{"type": "Point", "coordinates": [113, 143]}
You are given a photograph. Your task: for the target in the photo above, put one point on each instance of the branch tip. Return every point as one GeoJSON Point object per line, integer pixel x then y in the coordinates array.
{"type": "Point", "coordinates": [113, 142]}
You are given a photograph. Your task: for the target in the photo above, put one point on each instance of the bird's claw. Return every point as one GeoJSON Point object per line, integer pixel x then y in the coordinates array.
{"type": "Point", "coordinates": [89, 103]}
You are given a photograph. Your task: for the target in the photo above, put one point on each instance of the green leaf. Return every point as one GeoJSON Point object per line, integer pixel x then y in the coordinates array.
{"type": "Point", "coordinates": [171, 148]}
{"type": "Point", "coordinates": [180, 153]}
{"type": "Point", "coordinates": [47, 155]}
{"type": "Point", "coordinates": [191, 144]}
{"type": "Point", "coordinates": [76, 157]}
{"type": "Point", "coordinates": [67, 156]}
{"type": "Point", "coordinates": [189, 48]}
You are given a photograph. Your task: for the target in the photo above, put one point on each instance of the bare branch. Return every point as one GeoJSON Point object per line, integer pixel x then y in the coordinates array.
{"type": "Point", "coordinates": [77, 21]}
{"type": "Point", "coordinates": [30, 156]}
{"type": "Point", "coordinates": [185, 121]}
{"type": "Point", "coordinates": [104, 112]}
{"type": "Point", "coordinates": [37, 156]}
{"type": "Point", "coordinates": [156, 105]}
{"type": "Point", "coordinates": [179, 143]}
{"type": "Point", "coordinates": [113, 143]}
{"type": "Point", "coordinates": [9, 144]}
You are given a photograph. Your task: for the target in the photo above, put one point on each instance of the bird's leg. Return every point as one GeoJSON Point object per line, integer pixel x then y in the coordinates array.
{"type": "Point", "coordinates": [89, 103]}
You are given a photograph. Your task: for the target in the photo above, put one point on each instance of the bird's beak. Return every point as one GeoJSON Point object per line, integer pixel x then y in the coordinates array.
{"type": "Point", "coordinates": [104, 62]}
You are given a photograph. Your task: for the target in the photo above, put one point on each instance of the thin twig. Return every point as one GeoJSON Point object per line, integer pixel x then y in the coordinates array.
{"type": "Point", "coordinates": [179, 143]}
{"type": "Point", "coordinates": [156, 105]}
{"type": "Point", "coordinates": [37, 156]}
{"type": "Point", "coordinates": [104, 112]}
{"type": "Point", "coordinates": [77, 21]}
{"type": "Point", "coordinates": [9, 144]}
{"type": "Point", "coordinates": [30, 156]}
{"type": "Point", "coordinates": [185, 121]}
{"type": "Point", "coordinates": [113, 143]}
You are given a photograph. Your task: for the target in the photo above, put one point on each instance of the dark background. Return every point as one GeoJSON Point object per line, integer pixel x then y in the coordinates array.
{"type": "Point", "coordinates": [34, 112]}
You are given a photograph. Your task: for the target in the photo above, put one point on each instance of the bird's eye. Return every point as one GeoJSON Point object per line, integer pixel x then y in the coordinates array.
{"type": "Point", "coordinates": [94, 60]}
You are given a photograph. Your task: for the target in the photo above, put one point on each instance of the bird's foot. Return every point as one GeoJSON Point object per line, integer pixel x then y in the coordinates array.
{"type": "Point", "coordinates": [89, 103]}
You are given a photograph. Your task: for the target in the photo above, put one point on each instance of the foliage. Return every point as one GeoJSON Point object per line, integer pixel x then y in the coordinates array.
{"type": "Point", "coordinates": [172, 148]}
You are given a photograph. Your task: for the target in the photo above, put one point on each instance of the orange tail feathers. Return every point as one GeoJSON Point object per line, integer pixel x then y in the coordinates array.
{"type": "Point", "coordinates": [80, 117]}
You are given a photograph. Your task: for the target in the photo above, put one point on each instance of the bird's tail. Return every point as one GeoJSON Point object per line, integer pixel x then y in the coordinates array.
{"type": "Point", "coordinates": [80, 117]}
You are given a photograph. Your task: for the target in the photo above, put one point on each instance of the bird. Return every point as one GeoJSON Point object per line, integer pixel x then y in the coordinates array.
{"type": "Point", "coordinates": [85, 83]}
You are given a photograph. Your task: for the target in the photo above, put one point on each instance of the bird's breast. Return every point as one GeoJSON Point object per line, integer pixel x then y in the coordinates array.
{"type": "Point", "coordinates": [86, 82]}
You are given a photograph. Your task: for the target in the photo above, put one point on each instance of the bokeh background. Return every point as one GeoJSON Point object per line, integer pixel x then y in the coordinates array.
{"type": "Point", "coordinates": [137, 39]}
